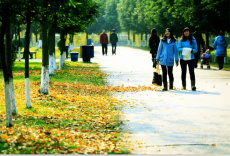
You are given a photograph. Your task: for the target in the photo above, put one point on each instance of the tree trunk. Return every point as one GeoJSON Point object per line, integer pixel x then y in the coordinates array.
{"type": "Point", "coordinates": [55, 65]}
{"type": "Point", "coordinates": [19, 43]}
{"type": "Point", "coordinates": [51, 44]}
{"type": "Point", "coordinates": [27, 46]}
{"type": "Point", "coordinates": [36, 42]}
{"type": "Point", "coordinates": [207, 39]}
{"type": "Point", "coordinates": [6, 64]}
{"type": "Point", "coordinates": [45, 58]}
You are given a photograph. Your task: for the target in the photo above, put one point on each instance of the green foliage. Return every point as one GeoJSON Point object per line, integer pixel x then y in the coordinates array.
{"type": "Point", "coordinates": [15, 42]}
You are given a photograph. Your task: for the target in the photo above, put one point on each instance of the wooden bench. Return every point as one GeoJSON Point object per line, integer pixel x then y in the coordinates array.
{"type": "Point", "coordinates": [32, 52]}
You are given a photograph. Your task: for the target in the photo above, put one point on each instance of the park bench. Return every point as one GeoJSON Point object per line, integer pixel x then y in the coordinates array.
{"type": "Point", "coordinates": [32, 52]}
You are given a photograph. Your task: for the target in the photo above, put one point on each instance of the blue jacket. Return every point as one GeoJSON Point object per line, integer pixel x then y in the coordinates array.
{"type": "Point", "coordinates": [186, 44]}
{"type": "Point", "coordinates": [220, 44]}
{"type": "Point", "coordinates": [166, 52]}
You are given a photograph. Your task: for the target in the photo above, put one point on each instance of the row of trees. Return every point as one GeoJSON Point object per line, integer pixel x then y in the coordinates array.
{"type": "Point", "coordinates": [141, 16]}
{"type": "Point", "coordinates": [62, 16]}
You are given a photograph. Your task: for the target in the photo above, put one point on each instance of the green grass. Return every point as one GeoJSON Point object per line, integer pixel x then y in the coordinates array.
{"type": "Point", "coordinates": [75, 104]}
{"type": "Point", "coordinates": [57, 52]}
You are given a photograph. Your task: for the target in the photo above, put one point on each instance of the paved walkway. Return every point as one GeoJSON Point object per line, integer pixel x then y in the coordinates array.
{"type": "Point", "coordinates": [173, 122]}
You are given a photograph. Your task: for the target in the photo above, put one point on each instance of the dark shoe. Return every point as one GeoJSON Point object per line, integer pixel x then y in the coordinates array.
{"type": "Point", "coordinates": [183, 85]}
{"type": "Point", "coordinates": [201, 67]}
{"type": "Point", "coordinates": [171, 85]}
{"type": "Point", "coordinates": [165, 86]}
{"type": "Point", "coordinates": [193, 85]}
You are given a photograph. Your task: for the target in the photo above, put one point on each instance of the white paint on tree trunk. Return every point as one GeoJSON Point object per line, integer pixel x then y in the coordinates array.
{"type": "Point", "coordinates": [8, 104]}
{"type": "Point", "coordinates": [36, 46]}
{"type": "Point", "coordinates": [128, 43]}
{"type": "Point", "coordinates": [40, 44]}
{"type": "Point", "coordinates": [19, 52]}
{"type": "Point", "coordinates": [60, 59]}
{"type": "Point", "coordinates": [51, 65]}
{"type": "Point", "coordinates": [45, 80]}
{"type": "Point", "coordinates": [72, 45]}
{"type": "Point", "coordinates": [55, 65]}
{"type": "Point", "coordinates": [27, 88]}
{"type": "Point", "coordinates": [63, 59]}
{"type": "Point", "coordinates": [13, 100]}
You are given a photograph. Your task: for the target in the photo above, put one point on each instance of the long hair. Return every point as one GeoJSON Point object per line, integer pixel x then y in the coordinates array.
{"type": "Point", "coordinates": [171, 35]}
{"type": "Point", "coordinates": [190, 37]}
{"type": "Point", "coordinates": [154, 33]}
{"type": "Point", "coordinates": [221, 33]}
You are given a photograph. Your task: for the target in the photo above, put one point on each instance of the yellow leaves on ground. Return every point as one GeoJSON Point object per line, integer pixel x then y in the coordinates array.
{"type": "Point", "coordinates": [75, 118]}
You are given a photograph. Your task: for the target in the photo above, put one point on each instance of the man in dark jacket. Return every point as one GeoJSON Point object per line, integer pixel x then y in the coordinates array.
{"type": "Point", "coordinates": [200, 42]}
{"type": "Point", "coordinates": [113, 40]}
{"type": "Point", "coordinates": [104, 42]}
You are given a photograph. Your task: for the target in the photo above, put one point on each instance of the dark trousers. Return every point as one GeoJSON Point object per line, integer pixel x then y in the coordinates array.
{"type": "Point", "coordinates": [154, 59]}
{"type": "Point", "coordinates": [104, 49]}
{"type": "Point", "coordinates": [205, 60]}
{"type": "Point", "coordinates": [197, 57]}
{"type": "Point", "coordinates": [114, 48]}
{"type": "Point", "coordinates": [220, 62]}
{"type": "Point", "coordinates": [183, 65]}
{"type": "Point", "coordinates": [164, 73]}
{"type": "Point", "coordinates": [31, 56]}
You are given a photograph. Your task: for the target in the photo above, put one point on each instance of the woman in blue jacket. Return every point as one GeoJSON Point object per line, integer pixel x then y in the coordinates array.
{"type": "Point", "coordinates": [220, 45]}
{"type": "Point", "coordinates": [166, 53]}
{"type": "Point", "coordinates": [187, 47]}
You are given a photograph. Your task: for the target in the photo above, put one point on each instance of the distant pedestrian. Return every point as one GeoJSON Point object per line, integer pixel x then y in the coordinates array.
{"type": "Point", "coordinates": [187, 46]}
{"type": "Point", "coordinates": [104, 42]}
{"type": "Point", "coordinates": [154, 41]}
{"type": "Point", "coordinates": [31, 56]}
{"type": "Point", "coordinates": [220, 44]}
{"type": "Point", "coordinates": [206, 58]}
{"type": "Point", "coordinates": [166, 54]}
{"type": "Point", "coordinates": [113, 40]}
{"type": "Point", "coordinates": [200, 42]}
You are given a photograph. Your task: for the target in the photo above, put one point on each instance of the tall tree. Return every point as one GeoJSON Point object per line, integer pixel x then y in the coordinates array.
{"type": "Point", "coordinates": [5, 53]}
{"type": "Point", "coordinates": [111, 16]}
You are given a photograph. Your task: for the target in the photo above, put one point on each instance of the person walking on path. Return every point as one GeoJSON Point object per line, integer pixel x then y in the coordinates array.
{"type": "Point", "coordinates": [187, 46]}
{"type": "Point", "coordinates": [154, 40]}
{"type": "Point", "coordinates": [23, 57]}
{"type": "Point", "coordinates": [220, 44]}
{"type": "Point", "coordinates": [166, 54]}
{"type": "Point", "coordinates": [200, 42]}
{"type": "Point", "coordinates": [104, 42]}
{"type": "Point", "coordinates": [113, 40]}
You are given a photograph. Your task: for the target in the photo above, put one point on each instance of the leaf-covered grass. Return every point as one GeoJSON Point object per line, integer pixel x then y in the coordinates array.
{"type": "Point", "coordinates": [57, 52]}
{"type": "Point", "coordinates": [79, 116]}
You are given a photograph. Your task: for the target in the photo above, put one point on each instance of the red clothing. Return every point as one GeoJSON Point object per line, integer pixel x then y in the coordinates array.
{"type": "Point", "coordinates": [104, 38]}
{"type": "Point", "coordinates": [203, 57]}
